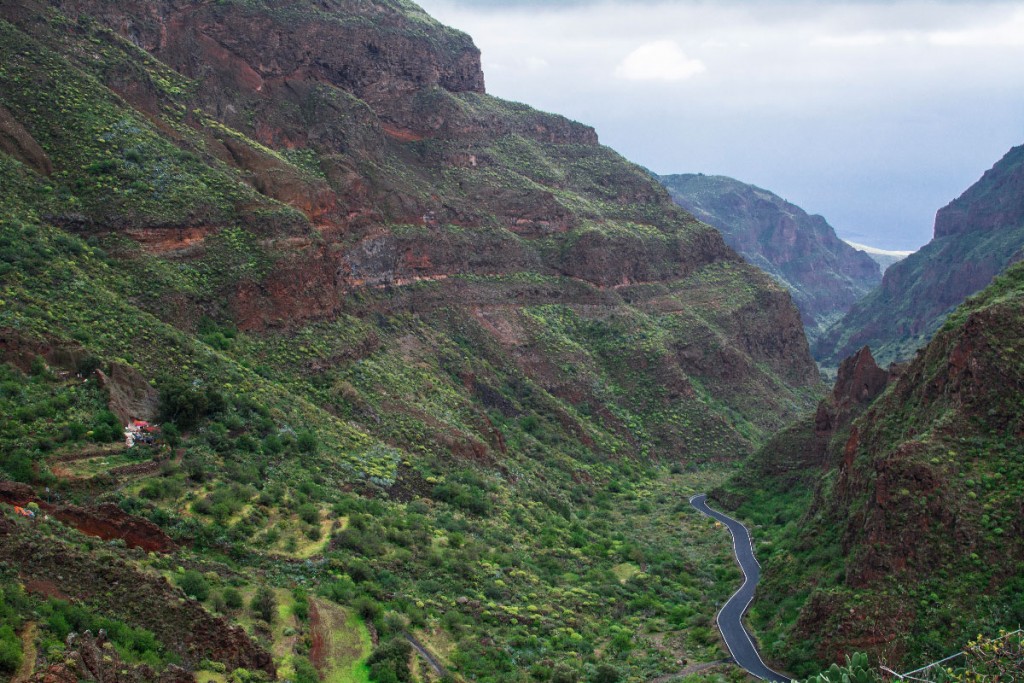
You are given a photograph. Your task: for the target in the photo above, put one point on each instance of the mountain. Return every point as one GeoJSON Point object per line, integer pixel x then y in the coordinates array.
{"type": "Point", "coordinates": [976, 237]}
{"type": "Point", "coordinates": [893, 516]}
{"type": "Point", "coordinates": [884, 257]}
{"type": "Point", "coordinates": [423, 361]}
{"type": "Point", "coordinates": [824, 274]}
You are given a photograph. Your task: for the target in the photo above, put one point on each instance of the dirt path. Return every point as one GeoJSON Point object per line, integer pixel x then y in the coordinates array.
{"type": "Point", "coordinates": [339, 641]}
{"type": "Point", "coordinates": [28, 654]}
{"type": "Point", "coordinates": [425, 653]}
{"type": "Point", "coordinates": [89, 452]}
{"type": "Point", "coordinates": [319, 645]}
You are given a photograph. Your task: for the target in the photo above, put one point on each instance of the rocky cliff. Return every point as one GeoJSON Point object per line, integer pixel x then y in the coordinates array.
{"type": "Point", "coordinates": [414, 348]}
{"type": "Point", "coordinates": [976, 236]}
{"type": "Point", "coordinates": [906, 541]}
{"type": "Point", "coordinates": [354, 152]}
{"type": "Point", "coordinates": [824, 274]}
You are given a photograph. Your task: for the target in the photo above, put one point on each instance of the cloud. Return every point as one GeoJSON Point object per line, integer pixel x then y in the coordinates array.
{"type": "Point", "coordinates": [856, 40]}
{"type": "Point", "coordinates": [1007, 32]}
{"type": "Point", "coordinates": [873, 113]}
{"type": "Point", "coordinates": [661, 60]}
{"type": "Point", "coordinates": [536, 63]}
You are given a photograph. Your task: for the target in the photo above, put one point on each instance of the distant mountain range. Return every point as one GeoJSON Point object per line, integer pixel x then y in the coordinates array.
{"type": "Point", "coordinates": [824, 274]}
{"type": "Point", "coordinates": [976, 237]}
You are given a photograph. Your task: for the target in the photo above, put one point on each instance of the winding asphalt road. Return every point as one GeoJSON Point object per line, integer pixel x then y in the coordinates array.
{"type": "Point", "coordinates": [730, 617]}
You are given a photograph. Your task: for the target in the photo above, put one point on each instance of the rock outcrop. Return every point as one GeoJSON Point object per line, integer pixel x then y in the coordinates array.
{"type": "Point", "coordinates": [132, 397]}
{"type": "Point", "coordinates": [107, 521]}
{"type": "Point", "coordinates": [918, 500]}
{"type": "Point", "coordinates": [89, 657]}
{"type": "Point", "coordinates": [792, 462]}
{"type": "Point", "coordinates": [115, 587]}
{"type": "Point", "coordinates": [976, 237]}
{"type": "Point", "coordinates": [858, 382]}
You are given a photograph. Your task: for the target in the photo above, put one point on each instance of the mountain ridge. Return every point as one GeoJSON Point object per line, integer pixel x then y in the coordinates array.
{"type": "Point", "coordinates": [976, 236]}
{"type": "Point", "coordinates": [824, 274]}
{"type": "Point", "coordinates": [899, 533]}
{"type": "Point", "coordinates": [424, 360]}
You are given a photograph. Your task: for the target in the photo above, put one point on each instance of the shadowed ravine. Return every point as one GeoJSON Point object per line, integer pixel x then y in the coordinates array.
{"type": "Point", "coordinates": [730, 617]}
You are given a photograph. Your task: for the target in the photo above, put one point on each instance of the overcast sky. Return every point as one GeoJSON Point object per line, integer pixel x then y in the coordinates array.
{"type": "Point", "coordinates": [873, 114]}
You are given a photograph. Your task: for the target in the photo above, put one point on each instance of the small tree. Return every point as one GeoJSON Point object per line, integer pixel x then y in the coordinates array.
{"type": "Point", "coordinates": [264, 605]}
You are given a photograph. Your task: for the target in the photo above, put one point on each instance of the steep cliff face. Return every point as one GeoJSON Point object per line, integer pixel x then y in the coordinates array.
{"type": "Point", "coordinates": [976, 237]}
{"type": "Point", "coordinates": [297, 154]}
{"type": "Point", "coordinates": [911, 541]}
{"type": "Point", "coordinates": [824, 274]}
{"type": "Point", "coordinates": [411, 337]}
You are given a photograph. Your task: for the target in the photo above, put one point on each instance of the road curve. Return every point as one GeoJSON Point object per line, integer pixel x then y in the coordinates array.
{"type": "Point", "coordinates": [730, 617]}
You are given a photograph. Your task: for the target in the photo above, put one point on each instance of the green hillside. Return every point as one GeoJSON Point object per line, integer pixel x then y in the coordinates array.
{"type": "Point", "coordinates": [424, 361]}
{"type": "Point", "coordinates": [901, 536]}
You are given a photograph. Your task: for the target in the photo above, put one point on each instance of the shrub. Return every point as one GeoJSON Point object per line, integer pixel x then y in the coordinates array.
{"type": "Point", "coordinates": [856, 670]}
{"type": "Point", "coordinates": [305, 672]}
{"type": "Point", "coordinates": [564, 674]}
{"type": "Point", "coordinates": [606, 673]}
{"type": "Point", "coordinates": [88, 365]}
{"type": "Point", "coordinates": [264, 605]}
{"type": "Point", "coordinates": [195, 585]}
{"type": "Point", "coordinates": [389, 662]}
{"type": "Point", "coordinates": [10, 650]}
{"type": "Point", "coordinates": [309, 514]}
{"type": "Point", "coordinates": [394, 623]}
{"type": "Point", "coordinates": [232, 598]}
{"type": "Point", "coordinates": [301, 606]}
{"type": "Point", "coordinates": [307, 442]}
{"type": "Point", "coordinates": [368, 608]}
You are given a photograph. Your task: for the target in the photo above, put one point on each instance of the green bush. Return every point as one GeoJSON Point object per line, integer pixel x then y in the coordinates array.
{"type": "Point", "coordinates": [368, 609]}
{"type": "Point", "coordinates": [309, 514]}
{"type": "Point", "coordinates": [185, 404]}
{"type": "Point", "coordinates": [305, 672]}
{"type": "Point", "coordinates": [389, 662]}
{"type": "Point", "coordinates": [195, 585]}
{"type": "Point", "coordinates": [606, 673]}
{"type": "Point", "coordinates": [10, 650]}
{"type": "Point", "coordinates": [564, 674]}
{"type": "Point", "coordinates": [300, 608]}
{"type": "Point", "coordinates": [856, 670]}
{"type": "Point", "coordinates": [232, 598]}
